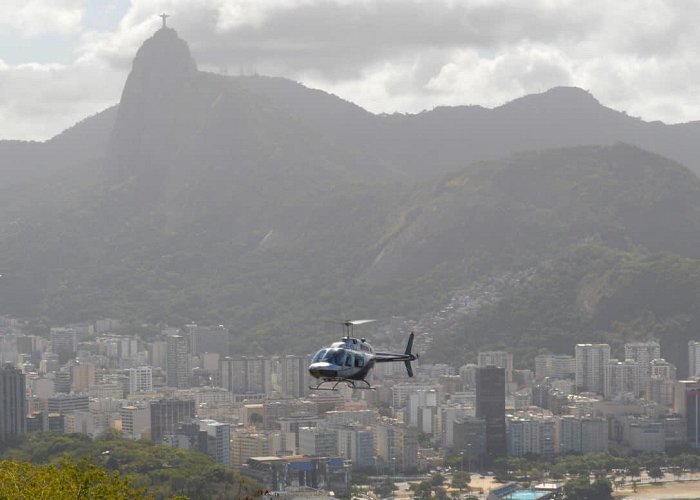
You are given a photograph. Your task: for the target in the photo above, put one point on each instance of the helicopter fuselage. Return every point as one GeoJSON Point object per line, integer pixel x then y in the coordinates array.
{"type": "Point", "coordinates": [351, 360]}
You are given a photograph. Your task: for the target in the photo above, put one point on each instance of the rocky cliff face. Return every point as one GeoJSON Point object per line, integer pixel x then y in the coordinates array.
{"type": "Point", "coordinates": [145, 136]}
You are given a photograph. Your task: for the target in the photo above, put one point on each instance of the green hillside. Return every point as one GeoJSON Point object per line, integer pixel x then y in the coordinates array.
{"type": "Point", "coordinates": [589, 293]}
{"type": "Point", "coordinates": [162, 471]}
{"type": "Point", "coordinates": [270, 264]}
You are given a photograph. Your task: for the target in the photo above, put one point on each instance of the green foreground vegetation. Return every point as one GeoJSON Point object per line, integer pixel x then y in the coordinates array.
{"type": "Point", "coordinates": [139, 469]}
{"type": "Point", "coordinates": [66, 481]}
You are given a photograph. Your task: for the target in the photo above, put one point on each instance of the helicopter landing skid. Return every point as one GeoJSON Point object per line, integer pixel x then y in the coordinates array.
{"type": "Point", "coordinates": [338, 381]}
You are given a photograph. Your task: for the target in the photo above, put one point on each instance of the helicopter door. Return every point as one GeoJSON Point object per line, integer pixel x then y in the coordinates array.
{"type": "Point", "coordinates": [349, 360]}
{"type": "Point", "coordinates": [359, 362]}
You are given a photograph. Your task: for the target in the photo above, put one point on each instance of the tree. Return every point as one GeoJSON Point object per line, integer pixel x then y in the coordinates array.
{"type": "Point", "coordinates": [601, 489]}
{"type": "Point", "coordinates": [386, 487]}
{"type": "Point", "coordinates": [422, 490]}
{"type": "Point", "coordinates": [633, 471]}
{"type": "Point", "coordinates": [440, 493]}
{"type": "Point", "coordinates": [461, 480]}
{"type": "Point", "coordinates": [582, 489]}
{"type": "Point", "coordinates": [437, 479]}
{"type": "Point", "coordinates": [67, 481]}
{"type": "Point", "coordinates": [656, 473]}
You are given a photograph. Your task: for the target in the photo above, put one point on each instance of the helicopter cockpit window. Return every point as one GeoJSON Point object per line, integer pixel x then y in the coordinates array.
{"type": "Point", "coordinates": [359, 362]}
{"type": "Point", "coordinates": [319, 356]}
{"type": "Point", "coordinates": [348, 359]}
{"type": "Point", "coordinates": [335, 356]}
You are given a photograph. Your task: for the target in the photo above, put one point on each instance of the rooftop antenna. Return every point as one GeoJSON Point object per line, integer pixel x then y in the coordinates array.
{"type": "Point", "coordinates": [164, 16]}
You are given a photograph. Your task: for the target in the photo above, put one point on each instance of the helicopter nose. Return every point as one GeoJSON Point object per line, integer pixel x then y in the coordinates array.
{"type": "Point", "coordinates": [318, 370]}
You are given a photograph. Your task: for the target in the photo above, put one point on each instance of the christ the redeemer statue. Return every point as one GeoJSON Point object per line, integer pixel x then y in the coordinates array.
{"type": "Point", "coordinates": [164, 16]}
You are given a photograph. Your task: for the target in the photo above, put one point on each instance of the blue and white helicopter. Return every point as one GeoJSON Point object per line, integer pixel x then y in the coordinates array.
{"type": "Point", "coordinates": [350, 360]}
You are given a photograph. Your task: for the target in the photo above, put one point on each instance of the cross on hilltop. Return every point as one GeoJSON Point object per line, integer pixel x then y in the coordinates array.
{"type": "Point", "coordinates": [164, 16]}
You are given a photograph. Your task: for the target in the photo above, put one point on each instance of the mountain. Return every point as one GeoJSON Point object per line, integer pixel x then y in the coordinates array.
{"type": "Point", "coordinates": [444, 139]}
{"type": "Point", "coordinates": [257, 203]}
{"type": "Point", "coordinates": [26, 162]}
{"type": "Point", "coordinates": [532, 203]}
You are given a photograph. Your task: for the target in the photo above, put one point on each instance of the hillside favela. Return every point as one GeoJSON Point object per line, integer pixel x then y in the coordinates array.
{"type": "Point", "coordinates": [229, 285]}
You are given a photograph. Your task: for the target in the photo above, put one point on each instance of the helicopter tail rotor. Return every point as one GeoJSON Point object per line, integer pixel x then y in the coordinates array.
{"type": "Point", "coordinates": [409, 355]}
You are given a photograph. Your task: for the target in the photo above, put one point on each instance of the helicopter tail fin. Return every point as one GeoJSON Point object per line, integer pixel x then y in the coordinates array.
{"type": "Point", "coordinates": [409, 346]}
{"type": "Point", "coordinates": [407, 362]}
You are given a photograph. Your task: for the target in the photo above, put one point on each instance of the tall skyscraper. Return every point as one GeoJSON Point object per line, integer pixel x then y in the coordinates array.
{"type": "Point", "coordinates": [13, 403]}
{"type": "Point", "coordinates": [591, 360]}
{"type": "Point", "coordinates": [491, 406]}
{"type": "Point", "coordinates": [693, 358]}
{"type": "Point", "coordinates": [178, 362]}
{"type": "Point", "coordinates": [292, 375]}
{"type": "Point", "coordinates": [166, 414]}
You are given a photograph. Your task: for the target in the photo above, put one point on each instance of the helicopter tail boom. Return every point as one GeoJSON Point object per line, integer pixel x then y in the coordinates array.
{"type": "Point", "coordinates": [406, 357]}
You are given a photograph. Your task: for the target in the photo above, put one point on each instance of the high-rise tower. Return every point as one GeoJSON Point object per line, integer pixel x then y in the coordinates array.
{"type": "Point", "coordinates": [491, 406]}
{"type": "Point", "coordinates": [591, 360]}
{"type": "Point", "coordinates": [13, 403]}
{"type": "Point", "coordinates": [178, 362]}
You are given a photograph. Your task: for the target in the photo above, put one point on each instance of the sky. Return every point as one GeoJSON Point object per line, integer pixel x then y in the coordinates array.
{"type": "Point", "coordinates": [64, 60]}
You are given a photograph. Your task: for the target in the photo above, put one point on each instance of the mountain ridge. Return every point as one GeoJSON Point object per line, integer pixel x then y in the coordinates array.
{"type": "Point", "coordinates": [257, 203]}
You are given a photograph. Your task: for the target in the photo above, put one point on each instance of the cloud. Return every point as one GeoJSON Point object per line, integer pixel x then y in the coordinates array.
{"type": "Point", "coordinates": [388, 55]}
{"type": "Point", "coordinates": [32, 18]}
{"type": "Point", "coordinates": [48, 98]}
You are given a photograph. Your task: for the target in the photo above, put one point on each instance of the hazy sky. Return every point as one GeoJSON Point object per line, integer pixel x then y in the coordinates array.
{"type": "Point", "coordinates": [63, 60]}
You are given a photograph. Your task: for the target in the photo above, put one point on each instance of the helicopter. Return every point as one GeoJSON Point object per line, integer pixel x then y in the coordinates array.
{"type": "Point", "coordinates": [350, 360]}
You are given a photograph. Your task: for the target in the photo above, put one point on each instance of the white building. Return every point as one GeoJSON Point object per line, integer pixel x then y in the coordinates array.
{"type": "Point", "coordinates": [693, 358]}
{"type": "Point", "coordinates": [356, 443]}
{"type": "Point", "coordinates": [140, 379]}
{"type": "Point", "coordinates": [136, 421]}
{"type": "Point", "coordinates": [555, 366]}
{"type": "Point", "coordinates": [582, 434]}
{"type": "Point", "coordinates": [662, 368]}
{"type": "Point", "coordinates": [501, 359]}
{"type": "Point", "coordinates": [416, 401]}
{"type": "Point", "coordinates": [218, 440]}
{"type": "Point", "coordinates": [643, 353]}
{"type": "Point", "coordinates": [318, 441]}
{"type": "Point", "coordinates": [293, 375]}
{"type": "Point", "coordinates": [247, 374]}
{"type": "Point", "coordinates": [531, 433]}
{"type": "Point", "coordinates": [622, 377]}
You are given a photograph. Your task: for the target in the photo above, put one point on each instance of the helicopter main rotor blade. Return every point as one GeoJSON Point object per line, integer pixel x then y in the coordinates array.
{"type": "Point", "coordinates": [359, 322]}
